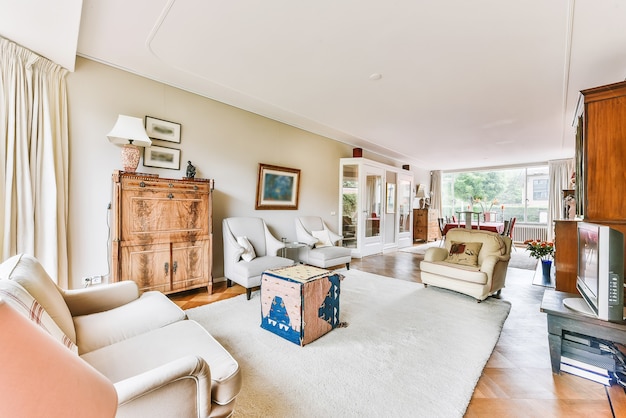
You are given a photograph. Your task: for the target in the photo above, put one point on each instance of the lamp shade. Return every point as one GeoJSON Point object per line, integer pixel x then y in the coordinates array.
{"type": "Point", "coordinates": [129, 130]}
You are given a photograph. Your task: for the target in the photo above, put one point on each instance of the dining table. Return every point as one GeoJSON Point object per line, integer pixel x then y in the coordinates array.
{"type": "Point", "coordinates": [497, 227]}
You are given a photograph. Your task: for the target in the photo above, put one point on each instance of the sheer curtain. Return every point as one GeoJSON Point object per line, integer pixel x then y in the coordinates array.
{"type": "Point", "coordinates": [435, 191]}
{"type": "Point", "coordinates": [559, 172]}
{"type": "Point", "coordinates": [34, 183]}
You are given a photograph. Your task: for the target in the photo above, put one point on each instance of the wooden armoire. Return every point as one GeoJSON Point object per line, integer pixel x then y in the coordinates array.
{"type": "Point", "coordinates": [161, 232]}
{"type": "Point", "coordinates": [600, 174]}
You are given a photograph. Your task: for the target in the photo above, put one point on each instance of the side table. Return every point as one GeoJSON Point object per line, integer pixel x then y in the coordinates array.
{"type": "Point", "coordinates": [293, 248]}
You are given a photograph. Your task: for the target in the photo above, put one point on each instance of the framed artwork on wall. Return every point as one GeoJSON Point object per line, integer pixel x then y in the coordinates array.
{"type": "Point", "coordinates": [277, 187]}
{"type": "Point", "coordinates": [162, 129]}
{"type": "Point", "coordinates": [161, 157]}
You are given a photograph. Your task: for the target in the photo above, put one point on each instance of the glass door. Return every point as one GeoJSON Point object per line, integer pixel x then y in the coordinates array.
{"type": "Point", "coordinates": [373, 198]}
{"type": "Point", "coordinates": [349, 205]}
{"type": "Point", "coordinates": [405, 218]}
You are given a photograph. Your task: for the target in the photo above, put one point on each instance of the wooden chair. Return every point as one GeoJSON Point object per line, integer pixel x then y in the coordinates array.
{"type": "Point", "coordinates": [442, 228]}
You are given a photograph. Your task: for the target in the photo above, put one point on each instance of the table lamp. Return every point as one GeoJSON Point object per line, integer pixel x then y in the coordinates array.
{"type": "Point", "coordinates": [130, 133]}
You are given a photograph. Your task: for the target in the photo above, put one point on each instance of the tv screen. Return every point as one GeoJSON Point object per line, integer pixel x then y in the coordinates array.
{"type": "Point", "coordinates": [600, 279]}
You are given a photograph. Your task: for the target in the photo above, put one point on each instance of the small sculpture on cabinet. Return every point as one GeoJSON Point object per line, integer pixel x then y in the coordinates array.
{"type": "Point", "coordinates": [191, 170]}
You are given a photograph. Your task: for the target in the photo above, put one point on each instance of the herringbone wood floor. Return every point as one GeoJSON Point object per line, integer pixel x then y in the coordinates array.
{"type": "Point", "coordinates": [517, 381]}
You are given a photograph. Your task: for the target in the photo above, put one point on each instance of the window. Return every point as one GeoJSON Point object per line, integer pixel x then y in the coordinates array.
{"type": "Point", "coordinates": [520, 192]}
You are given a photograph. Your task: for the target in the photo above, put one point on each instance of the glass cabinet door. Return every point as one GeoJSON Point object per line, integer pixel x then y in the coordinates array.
{"type": "Point", "coordinates": [349, 198]}
{"type": "Point", "coordinates": [404, 205]}
{"type": "Point", "coordinates": [373, 204]}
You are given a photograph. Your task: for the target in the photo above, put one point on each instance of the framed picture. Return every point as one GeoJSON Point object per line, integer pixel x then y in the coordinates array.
{"type": "Point", "coordinates": [277, 187]}
{"type": "Point", "coordinates": [161, 157]}
{"type": "Point", "coordinates": [162, 129]}
{"type": "Point", "coordinates": [391, 198]}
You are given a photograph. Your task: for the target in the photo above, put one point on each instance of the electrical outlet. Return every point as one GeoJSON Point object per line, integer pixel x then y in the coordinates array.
{"type": "Point", "coordinates": [86, 281]}
{"type": "Point", "coordinates": [96, 279]}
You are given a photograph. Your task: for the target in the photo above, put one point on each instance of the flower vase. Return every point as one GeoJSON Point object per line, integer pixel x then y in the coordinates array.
{"type": "Point", "coordinates": [546, 266]}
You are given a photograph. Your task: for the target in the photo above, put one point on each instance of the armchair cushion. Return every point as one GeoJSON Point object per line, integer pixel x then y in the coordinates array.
{"type": "Point", "coordinates": [248, 250]}
{"type": "Point", "coordinates": [150, 311]}
{"type": "Point", "coordinates": [17, 297]}
{"type": "Point", "coordinates": [464, 253]}
{"type": "Point", "coordinates": [30, 274]}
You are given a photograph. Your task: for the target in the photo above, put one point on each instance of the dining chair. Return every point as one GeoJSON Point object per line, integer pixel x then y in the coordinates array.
{"type": "Point", "coordinates": [509, 232]}
{"type": "Point", "coordinates": [442, 229]}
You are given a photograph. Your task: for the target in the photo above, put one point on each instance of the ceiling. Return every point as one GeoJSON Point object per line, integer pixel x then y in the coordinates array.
{"type": "Point", "coordinates": [448, 84]}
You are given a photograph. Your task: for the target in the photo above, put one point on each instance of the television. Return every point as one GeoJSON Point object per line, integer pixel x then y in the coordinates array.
{"type": "Point", "coordinates": [600, 278]}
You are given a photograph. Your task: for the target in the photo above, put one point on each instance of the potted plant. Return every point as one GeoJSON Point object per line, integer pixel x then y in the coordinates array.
{"type": "Point", "coordinates": [544, 251]}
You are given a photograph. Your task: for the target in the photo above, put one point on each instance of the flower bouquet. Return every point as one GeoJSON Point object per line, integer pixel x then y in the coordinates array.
{"type": "Point", "coordinates": [541, 250]}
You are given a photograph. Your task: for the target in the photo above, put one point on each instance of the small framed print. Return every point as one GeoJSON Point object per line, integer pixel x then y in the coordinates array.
{"type": "Point", "coordinates": [161, 157]}
{"type": "Point", "coordinates": [162, 129]}
{"type": "Point", "coordinates": [277, 187]}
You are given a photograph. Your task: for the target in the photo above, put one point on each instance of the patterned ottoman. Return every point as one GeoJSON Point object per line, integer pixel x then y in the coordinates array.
{"type": "Point", "coordinates": [300, 303]}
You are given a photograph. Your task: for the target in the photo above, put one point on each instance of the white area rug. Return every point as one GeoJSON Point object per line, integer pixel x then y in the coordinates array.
{"type": "Point", "coordinates": [407, 351]}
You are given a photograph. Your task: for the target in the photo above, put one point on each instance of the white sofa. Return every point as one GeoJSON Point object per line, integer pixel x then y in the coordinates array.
{"type": "Point", "coordinates": [453, 267]}
{"type": "Point", "coordinates": [161, 364]}
{"type": "Point", "coordinates": [244, 264]}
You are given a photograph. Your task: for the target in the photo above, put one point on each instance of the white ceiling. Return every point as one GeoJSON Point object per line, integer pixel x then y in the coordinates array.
{"type": "Point", "coordinates": [464, 84]}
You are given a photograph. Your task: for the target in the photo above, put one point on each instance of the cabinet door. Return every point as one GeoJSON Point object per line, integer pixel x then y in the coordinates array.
{"type": "Point", "coordinates": [157, 213]}
{"type": "Point", "coordinates": [190, 265]}
{"type": "Point", "coordinates": [148, 265]}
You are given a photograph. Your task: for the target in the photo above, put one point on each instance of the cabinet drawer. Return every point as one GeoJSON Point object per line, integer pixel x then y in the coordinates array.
{"type": "Point", "coordinates": [163, 185]}
{"type": "Point", "coordinates": [148, 266]}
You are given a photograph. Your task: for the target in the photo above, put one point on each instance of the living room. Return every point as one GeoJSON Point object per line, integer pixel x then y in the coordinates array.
{"type": "Point", "coordinates": [225, 143]}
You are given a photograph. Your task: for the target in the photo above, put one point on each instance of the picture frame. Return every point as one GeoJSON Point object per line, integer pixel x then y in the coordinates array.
{"type": "Point", "coordinates": [161, 157]}
{"type": "Point", "coordinates": [277, 187]}
{"type": "Point", "coordinates": [391, 198]}
{"type": "Point", "coordinates": [163, 130]}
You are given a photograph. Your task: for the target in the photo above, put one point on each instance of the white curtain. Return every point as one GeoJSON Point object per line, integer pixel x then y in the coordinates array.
{"type": "Point", "coordinates": [435, 191]}
{"type": "Point", "coordinates": [34, 183]}
{"type": "Point", "coordinates": [559, 172]}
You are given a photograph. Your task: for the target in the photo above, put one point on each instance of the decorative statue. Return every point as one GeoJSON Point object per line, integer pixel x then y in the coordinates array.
{"type": "Point", "coordinates": [191, 170]}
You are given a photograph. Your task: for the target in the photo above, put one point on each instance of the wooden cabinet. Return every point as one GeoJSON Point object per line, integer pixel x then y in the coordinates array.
{"type": "Point", "coordinates": [566, 255]}
{"type": "Point", "coordinates": [162, 233]}
{"type": "Point", "coordinates": [600, 174]}
{"type": "Point", "coordinates": [425, 226]}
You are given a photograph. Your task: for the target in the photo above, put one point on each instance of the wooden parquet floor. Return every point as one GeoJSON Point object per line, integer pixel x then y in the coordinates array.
{"type": "Point", "coordinates": [517, 381]}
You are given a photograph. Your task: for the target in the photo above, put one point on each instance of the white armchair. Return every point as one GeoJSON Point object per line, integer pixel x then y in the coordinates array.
{"type": "Point", "coordinates": [321, 244]}
{"type": "Point", "coordinates": [249, 250]}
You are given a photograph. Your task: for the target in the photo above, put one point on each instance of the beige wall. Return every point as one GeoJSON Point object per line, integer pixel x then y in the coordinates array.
{"type": "Point", "coordinates": [223, 142]}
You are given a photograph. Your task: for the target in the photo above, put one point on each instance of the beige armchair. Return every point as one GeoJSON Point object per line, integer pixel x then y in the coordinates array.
{"type": "Point", "coordinates": [249, 250]}
{"type": "Point", "coordinates": [473, 262]}
{"type": "Point", "coordinates": [159, 363]}
{"type": "Point", "coordinates": [321, 244]}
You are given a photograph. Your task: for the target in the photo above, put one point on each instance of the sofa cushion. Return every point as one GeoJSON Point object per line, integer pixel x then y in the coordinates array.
{"type": "Point", "coordinates": [455, 271]}
{"type": "Point", "coordinates": [17, 297]}
{"type": "Point", "coordinates": [258, 265]}
{"type": "Point", "coordinates": [248, 250]}
{"type": "Point", "coordinates": [150, 311]}
{"type": "Point", "coordinates": [146, 351]}
{"type": "Point", "coordinates": [464, 253]}
{"type": "Point", "coordinates": [30, 274]}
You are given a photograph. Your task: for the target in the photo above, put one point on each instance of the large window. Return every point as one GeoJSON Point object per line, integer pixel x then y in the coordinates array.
{"type": "Point", "coordinates": [520, 192]}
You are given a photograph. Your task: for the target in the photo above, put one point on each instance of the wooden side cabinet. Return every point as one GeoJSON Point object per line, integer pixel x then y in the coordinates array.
{"type": "Point", "coordinates": [162, 232]}
{"type": "Point", "coordinates": [425, 226]}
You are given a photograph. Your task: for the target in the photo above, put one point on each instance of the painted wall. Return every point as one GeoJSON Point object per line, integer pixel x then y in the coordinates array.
{"type": "Point", "coordinates": [223, 142]}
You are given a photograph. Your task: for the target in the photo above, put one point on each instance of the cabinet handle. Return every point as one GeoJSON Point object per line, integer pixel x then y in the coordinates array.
{"type": "Point", "coordinates": [195, 187]}
{"type": "Point", "coordinates": [170, 185]}
{"type": "Point", "coordinates": [142, 184]}
{"type": "Point", "coordinates": [170, 196]}
{"type": "Point", "coordinates": [167, 268]}
{"type": "Point", "coordinates": [174, 267]}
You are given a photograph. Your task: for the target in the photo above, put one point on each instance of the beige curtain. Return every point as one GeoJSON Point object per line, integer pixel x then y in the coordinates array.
{"type": "Point", "coordinates": [435, 191]}
{"type": "Point", "coordinates": [560, 172]}
{"type": "Point", "coordinates": [34, 183]}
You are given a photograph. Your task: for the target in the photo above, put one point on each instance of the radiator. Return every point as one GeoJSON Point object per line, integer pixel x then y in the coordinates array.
{"type": "Point", "coordinates": [523, 232]}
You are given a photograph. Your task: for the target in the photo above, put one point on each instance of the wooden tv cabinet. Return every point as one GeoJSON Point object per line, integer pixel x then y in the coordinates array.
{"type": "Point", "coordinates": [561, 319]}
